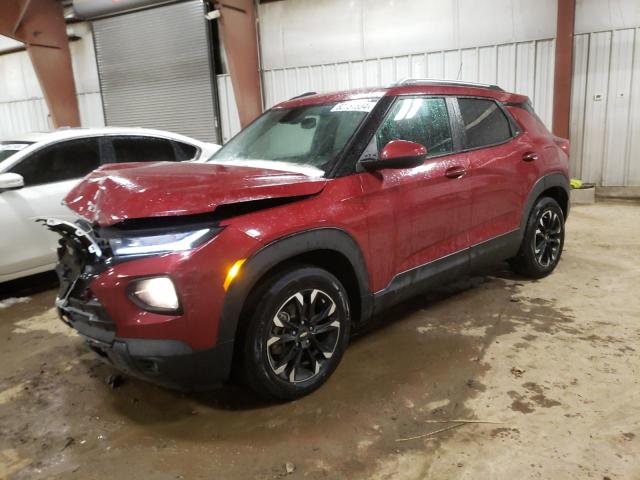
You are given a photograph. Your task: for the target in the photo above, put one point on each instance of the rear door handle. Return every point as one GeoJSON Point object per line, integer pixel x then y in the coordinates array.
{"type": "Point", "coordinates": [530, 156]}
{"type": "Point", "coordinates": [455, 172]}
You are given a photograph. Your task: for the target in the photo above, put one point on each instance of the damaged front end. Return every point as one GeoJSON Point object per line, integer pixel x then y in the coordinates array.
{"type": "Point", "coordinates": [80, 260]}
{"type": "Point", "coordinates": [126, 290]}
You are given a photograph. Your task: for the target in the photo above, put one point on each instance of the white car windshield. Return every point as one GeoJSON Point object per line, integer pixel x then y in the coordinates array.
{"type": "Point", "coordinates": [309, 136]}
{"type": "Point", "coordinates": [8, 148]}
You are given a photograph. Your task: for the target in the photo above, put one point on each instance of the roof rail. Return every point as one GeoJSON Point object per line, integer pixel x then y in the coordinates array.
{"type": "Point", "coordinates": [305, 94]}
{"type": "Point", "coordinates": [436, 81]}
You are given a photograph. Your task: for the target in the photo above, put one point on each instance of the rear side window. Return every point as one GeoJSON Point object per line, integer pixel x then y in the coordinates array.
{"type": "Point", "coordinates": [484, 122]}
{"type": "Point", "coordinates": [421, 120]}
{"type": "Point", "coordinates": [59, 162]}
{"type": "Point", "coordinates": [143, 149]}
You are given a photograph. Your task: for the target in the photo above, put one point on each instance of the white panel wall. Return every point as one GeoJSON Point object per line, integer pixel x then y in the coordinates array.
{"type": "Point", "coordinates": [605, 112]}
{"type": "Point", "coordinates": [22, 105]}
{"type": "Point", "coordinates": [228, 110]}
{"type": "Point", "coordinates": [329, 31]}
{"type": "Point", "coordinates": [525, 67]}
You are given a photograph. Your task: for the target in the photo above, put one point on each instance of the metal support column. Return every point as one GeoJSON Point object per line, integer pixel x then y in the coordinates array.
{"type": "Point", "coordinates": [238, 28]}
{"type": "Point", "coordinates": [563, 67]}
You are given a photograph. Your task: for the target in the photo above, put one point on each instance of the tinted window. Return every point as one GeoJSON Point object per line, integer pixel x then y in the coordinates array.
{"type": "Point", "coordinates": [484, 122]}
{"type": "Point", "coordinates": [143, 149]}
{"type": "Point", "coordinates": [421, 120]}
{"type": "Point", "coordinates": [63, 161]}
{"type": "Point", "coordinates": [9, 148]}
{"type": "Point", "coordinates": [184, 151]}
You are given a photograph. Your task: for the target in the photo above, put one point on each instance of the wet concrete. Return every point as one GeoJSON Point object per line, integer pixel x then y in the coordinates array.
{"type": "Point", "coordinates": [551, 366]}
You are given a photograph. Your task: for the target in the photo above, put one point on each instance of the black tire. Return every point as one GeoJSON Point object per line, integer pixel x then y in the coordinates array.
{"type": "Point", "coordinates": [309, 346]}
{"type": "Point", "coordinates": [543, 240]}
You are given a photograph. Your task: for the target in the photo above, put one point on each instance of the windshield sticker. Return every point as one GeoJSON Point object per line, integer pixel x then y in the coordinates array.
{"type": "Point", "coordinates": [364, 105]}
{"type": "Point", "coordinates": [13, 146]}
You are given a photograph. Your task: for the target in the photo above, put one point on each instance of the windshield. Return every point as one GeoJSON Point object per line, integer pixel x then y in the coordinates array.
{"type": "Point", "coordinates": [308, 136]}
{"type": "Point", "coordinates": [9, 148]}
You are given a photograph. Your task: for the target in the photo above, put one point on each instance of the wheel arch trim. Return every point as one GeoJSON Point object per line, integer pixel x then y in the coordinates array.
{"type": "Point", "coordinates": [281, 250]}
{"type": "Point", "coordinates": [543, 184]}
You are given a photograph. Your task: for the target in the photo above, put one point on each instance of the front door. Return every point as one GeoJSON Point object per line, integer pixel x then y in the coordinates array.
{"type": "Point", "coordinates": [420, 214]}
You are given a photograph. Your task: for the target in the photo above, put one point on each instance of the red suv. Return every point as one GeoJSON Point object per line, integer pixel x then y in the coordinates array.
{"type": "Point", "coordinates": [323, 212]}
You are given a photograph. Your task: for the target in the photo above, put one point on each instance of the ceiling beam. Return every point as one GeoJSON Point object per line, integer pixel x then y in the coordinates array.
{"type": "Point", "coordinates": [40, 25]}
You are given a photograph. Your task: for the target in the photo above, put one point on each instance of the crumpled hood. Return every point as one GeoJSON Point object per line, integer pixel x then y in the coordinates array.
{"type": "Point", "coordinates": [118, 192]}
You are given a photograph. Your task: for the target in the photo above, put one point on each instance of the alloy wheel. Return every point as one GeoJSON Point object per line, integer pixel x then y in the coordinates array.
{"type": "Point", "coordinates": [303, 336]}
{"type": "Point", "coordinates": [547, 239]}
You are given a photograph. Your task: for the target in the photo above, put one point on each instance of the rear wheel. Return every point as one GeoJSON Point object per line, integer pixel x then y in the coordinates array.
{"type": "Point", "coordinates": [543, 240]}
{"type": "Point", "coordinates": [298, 330]}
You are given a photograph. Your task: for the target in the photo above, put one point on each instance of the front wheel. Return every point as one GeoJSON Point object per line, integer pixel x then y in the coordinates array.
{"type": "Point", "coordinates": [543, 240]}
{"type": "Point", "coordinates": [298, 330]}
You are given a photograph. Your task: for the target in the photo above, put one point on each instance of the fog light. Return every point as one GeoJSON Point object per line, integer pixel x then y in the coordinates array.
{"type": "Point", "coordinates": [155, 294]}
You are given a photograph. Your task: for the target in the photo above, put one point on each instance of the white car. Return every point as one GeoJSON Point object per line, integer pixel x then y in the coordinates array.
{"type": "Point", "coordinates": [37, 170]}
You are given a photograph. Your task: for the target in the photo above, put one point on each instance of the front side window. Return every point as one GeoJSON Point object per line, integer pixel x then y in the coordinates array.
{"type": "Point", "coordinates": [484, 122]}
{"type": "Point", "coordinates": [143, 149]}
{"type": "Point", "coordinates": [59, 162]}
{"type": "Point", "coordinates": [421, 120]}
{"type": "Point", "coordinates": [307, 136]}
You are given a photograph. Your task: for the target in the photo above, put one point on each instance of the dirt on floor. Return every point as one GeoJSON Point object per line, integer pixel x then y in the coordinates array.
{"type": "Point", "coordinates": [545, 374]}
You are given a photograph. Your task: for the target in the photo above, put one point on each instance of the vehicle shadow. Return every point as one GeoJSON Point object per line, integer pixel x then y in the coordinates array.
{"type": "Point", "coordinates": [28, 286]}
{"type": "Point", "coordinates": [236, 397]}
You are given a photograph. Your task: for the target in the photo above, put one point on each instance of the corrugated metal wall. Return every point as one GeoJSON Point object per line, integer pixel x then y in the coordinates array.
{"type": "Point", "coordinates": [605, 111]}
{"type": "Point", "coordinates": [22, 105]}
{"type": "Point", "coordinates": [229, 118]}
{"type": "Point", "coordinates": [525, 67]}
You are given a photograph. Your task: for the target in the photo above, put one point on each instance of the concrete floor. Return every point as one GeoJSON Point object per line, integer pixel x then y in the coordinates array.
{"type": "Point", "coordinates": [551, 366]}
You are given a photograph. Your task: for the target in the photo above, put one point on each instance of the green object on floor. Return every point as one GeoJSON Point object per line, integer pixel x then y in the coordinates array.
{"type": "Point", "coordinates": [575, 183]}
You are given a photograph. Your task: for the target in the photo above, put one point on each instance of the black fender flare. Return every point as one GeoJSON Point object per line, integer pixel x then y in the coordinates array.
{"type": "Point", "coordinates": [280, 251]}
{"type": "Point", "coordinates": [544, 183]}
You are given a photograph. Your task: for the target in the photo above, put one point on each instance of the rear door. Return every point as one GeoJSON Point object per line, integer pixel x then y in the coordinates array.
{"type": "Point", "coordinates": [49, 174]}
{"type": "Point", "coordinates": [501, 172]}
{"type": "Point", "coordinates": [421, 214]}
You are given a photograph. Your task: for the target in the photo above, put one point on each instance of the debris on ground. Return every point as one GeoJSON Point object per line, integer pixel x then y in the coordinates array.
{"type": "Point", "coordinates": [290, 467]}
{"type": "Point", "coordinates": [517, 372]}
{"type": "Point", "coordinates": [7, 302]}
{"type": "Point", "coordinates": [114, 381]}
{"type": "Point", "coordinates": [68, 442]}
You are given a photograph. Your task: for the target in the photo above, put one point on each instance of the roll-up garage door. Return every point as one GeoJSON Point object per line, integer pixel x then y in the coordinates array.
{"type": "Point", "coordinates": [156, 72]}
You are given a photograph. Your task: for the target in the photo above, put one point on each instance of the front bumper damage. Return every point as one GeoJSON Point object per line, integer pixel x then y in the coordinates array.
{"type": "Point", "coordinates": [169, 363]}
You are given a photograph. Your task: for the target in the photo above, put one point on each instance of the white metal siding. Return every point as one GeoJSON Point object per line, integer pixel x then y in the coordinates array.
{"type": "Point", "coordinates": [229, 118]}
{"type": "Point", "coordinates": [526, 67]}
{"type": "Point", "coordinates": [22, 105]}
{"type": "Point", "coordinates": [605, 121]}
{"type": "Point", "coordinates": [155, 70]}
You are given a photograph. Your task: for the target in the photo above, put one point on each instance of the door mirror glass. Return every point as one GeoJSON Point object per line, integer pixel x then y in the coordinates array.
{"type": "Point", "coordinates": [397, 154]}
{"type": "Point", "coordinates": [11, 181]}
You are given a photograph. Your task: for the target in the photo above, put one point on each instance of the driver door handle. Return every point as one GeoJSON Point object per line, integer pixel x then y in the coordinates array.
{"type": "Point", "coordinates": [455, 172]}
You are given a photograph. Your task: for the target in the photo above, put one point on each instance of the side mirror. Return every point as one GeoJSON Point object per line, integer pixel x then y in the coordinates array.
{"type": "Point", "coordinates": [11, 181]}
{"type": "Point", "coordinates": [397, 154]}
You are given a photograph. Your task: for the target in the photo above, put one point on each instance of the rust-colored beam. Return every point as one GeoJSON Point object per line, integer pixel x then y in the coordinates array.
{"type": "Point", "coordinates": [238, 28]}
{"type": "Point", "coordinates": [40, 25]}
{"type": "Point", "coordinates": [563, 67]}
